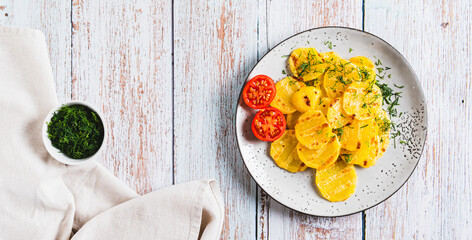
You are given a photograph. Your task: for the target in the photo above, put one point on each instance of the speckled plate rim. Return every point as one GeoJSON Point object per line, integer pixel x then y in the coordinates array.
{"type": "Point", "coordinates": [415, 79]}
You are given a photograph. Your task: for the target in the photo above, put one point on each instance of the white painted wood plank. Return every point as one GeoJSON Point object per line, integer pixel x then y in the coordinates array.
{"type": "Point", "coordinates": [215, 47]}
{"type": "Point", "coordinates": [53, 19]}
{"type": "Point", "coordinates": [122, 62]}
{"type": "Point", "coordinates": [435, 37]}
{"type": "Point", "coordinates": [263, 200]}
{"type": "Point", "coordinates": [285, 18]}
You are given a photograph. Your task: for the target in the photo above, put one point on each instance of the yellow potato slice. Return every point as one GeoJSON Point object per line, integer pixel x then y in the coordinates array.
{"type": "Point", "coordinates": [349, 135]}
{"type": "Point", "coordinates": [284, 152]}
{"type": "Point", "coordinates": [292, 119]}
{"type": "Point", "coordinates": [362, 61]}
{"type": "Point", "coordinates": [312, 129]}
{"type": "Point", "coordinates": [366, 156]}
{"type": "Point", "coordinates": [306, 64]}
{"type": "Point", "coordinates": [330, 57]}
{"type": "Point", "coordinates": [366, 68]}
{"type": "Point", "coordinates": [284, 91]}
{"type": "Point", "coordinates": [339, 76]}
{"type": "Point", "coordinates": [336, 182]}
{"type": "Point", "coordinates": [382, 122]}
{"type": "Point", "coordinates": [362, 100]}
{"type": "Point", "coordinates": [305, 98]}
{"type": "Point", "coordinates": [320, 158]}
{"type": "Point", "coordinates": [323, 104]}
{"type": "Point", "coordinates": [336, 115]}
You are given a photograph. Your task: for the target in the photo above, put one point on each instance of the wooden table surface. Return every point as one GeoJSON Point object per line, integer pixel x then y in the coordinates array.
{"type": "Point", "coordinates": [167, 75]}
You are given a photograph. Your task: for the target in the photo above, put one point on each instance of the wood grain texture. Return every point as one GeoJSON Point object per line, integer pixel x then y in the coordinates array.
{"type": "Point", "coordinates": [118, 56]}
{"type": "Point", "coordinates": [215, 47]}
{"type": "Point", "coordinates": [435, 37]}
{"type": "Point", "coordinates": [283, 19]}
{"type": "Point", "coordinates": [53, 19]}
{"type": "Point", "coordinates": [122, 62]}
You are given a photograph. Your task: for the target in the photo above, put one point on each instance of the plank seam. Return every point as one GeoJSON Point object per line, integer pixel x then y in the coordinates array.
{"type": "Point", "coordinates": [71, 49]}
{"type": "Point", "coordinates": [363, 15]}
{"type": "Point", "coordinates": [267, 24]}
{"type": "Point", "coordinates": [173, 94]}
{"type": "Point", "coordinates": [256, 222]}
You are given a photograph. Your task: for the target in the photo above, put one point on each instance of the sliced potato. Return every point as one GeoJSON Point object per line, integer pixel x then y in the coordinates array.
{"type": "Point", "coordinates": [284, 91]}
{"type": "Point", "coordinates": [323, 104]}
{"type": "Point", "coordinates": [306, 64]}
{"type": "Point", "coordinates": [330, 57]}
{"type": "Point", "coordinates": [312, 129]}
{"type": "Point", "coordinates": [336, 182]}
{"type": "Point", "coordinates": [305, 98]}
{"type": "Point", "coordinates": [366, 68]}
{"type": "Point", "coordinates": [362, 100]}
{"type": "Point", "coordinates": [339, 76]}
{"type": "Point", "coordinates": [362, 61]}
{"type": "Point", "coordinates": [366, 156]}
{"type": "Point", "coordinates": [382, 122]}
{"type": "Point", "coordinates": [292, 119]}
{"type": "Point", "coordinates": [320, 158]}
{"type": "Point", "coordinates": [284, 152]}
{"type": "Point", "coordinates": [336, 115]}
{"type": "Point", "coordinates": [349, 135]}
{"type": "Point", "coordinates": [367, 75]}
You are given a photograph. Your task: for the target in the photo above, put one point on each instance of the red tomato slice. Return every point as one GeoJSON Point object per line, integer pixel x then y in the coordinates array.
{"type": "Point", "coordinates": [259, 92]}
{"type": "Point", "coordinates": [268, 124]}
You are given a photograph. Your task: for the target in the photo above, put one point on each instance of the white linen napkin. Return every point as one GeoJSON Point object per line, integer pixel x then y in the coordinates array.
{"type": "Point", "coordinates": [41, 198]}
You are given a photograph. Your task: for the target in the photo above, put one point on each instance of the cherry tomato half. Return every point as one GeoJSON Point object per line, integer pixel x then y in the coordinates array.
{"type": "Point", "coordinates": [259, 92]}
{"type": "Point", "coordinates": [268, 124]}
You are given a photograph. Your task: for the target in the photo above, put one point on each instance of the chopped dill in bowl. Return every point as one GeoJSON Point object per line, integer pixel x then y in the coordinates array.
{"type": "Point", "coordinates": [76, 130]}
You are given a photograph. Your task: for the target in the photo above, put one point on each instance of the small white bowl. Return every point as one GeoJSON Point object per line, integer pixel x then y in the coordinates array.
{"type": "Point", "coordinates": [54, 152]}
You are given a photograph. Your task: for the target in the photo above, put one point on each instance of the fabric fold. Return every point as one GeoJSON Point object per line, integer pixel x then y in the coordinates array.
{"type": "Point", "coordinates": [186, 211]}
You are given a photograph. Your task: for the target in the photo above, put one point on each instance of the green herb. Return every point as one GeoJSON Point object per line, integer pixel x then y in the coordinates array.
{"type": "Point", "coordinates": [365, 126]}
{"type": "Point", "coordinates": [286, 56]}
{"type": "Point", "coordinates": [341, 80]}
{"type": "Point", "coordinates": [364, 74]}
{"type": "Point", "coordinates": [329, 44]}
{"type": "Point", "coordinates": [390, 75]}
{"type": "Point", "coordinates": [76, 131]}
{"type": "Point", "coordinates": [398, 86]}
{"type": "Point", "coordinates": [378, 62]}
{"type": "Point", "coordinates": [350, 50]}
{"type": "Point", "coordinates": [347, 157]}
{"type": "Point", "coordinates": [283, 72]}
{"type": "Point", "coordinates": [308, 42]}
{"type": "Point", "coordinates": [338, 131]}
{"type": "Point", "coordinates": [302, 69]}
{"type": "Point", "coordinates": [390, 98]}
{"type": "Point", "coordinates": [311, 83]}
{"type": "Point", "coordinates": [384, 124]}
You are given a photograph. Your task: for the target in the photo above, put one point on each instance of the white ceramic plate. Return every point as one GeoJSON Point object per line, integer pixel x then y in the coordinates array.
{"type": "Point", "coordinates": [375, 184]}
